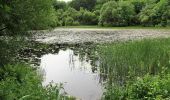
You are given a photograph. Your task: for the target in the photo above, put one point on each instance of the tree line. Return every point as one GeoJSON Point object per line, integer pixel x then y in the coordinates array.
{"type": "Point", "coordinates": [114, 12]}
{"type": "Point", "coordinates": [21, 15]}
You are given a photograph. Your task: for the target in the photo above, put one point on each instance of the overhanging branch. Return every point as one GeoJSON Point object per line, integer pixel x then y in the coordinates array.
{"type": "Point", "coordinates": [3, 29]}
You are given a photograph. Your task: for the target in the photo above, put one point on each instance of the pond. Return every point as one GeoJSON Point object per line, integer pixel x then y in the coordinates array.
{"type": "Point", "coordinates": [76, 75]}
{"type": "Point", "coordinates": [83, 69]}
{"type": "Point", "coordinates": [75, 66]}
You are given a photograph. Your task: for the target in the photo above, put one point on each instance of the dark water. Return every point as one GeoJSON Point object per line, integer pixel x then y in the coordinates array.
{"type": "Point", "coordinates": [76, 74]}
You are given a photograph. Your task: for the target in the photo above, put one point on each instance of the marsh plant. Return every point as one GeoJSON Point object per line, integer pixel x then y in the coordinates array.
{"type": "Point", "coordinates": [123, 62]}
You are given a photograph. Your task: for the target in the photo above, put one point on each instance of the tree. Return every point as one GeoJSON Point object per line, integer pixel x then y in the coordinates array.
{"type": "Point", "coordinates": [4, 13]}
{"type": "Point", "coordinates": [59, 4]}
{"type": "Point", "coordinates": [68, 16]}
{"type": "Point", "coordinates": [156, 14]}
{"type": "Point", "coordinates": [21, 15]}
{"type": "Point", "coordinates": [69, 21]}
{"type": "Point", "coordinates": [99, 4]}
{"type": "Point", "coordinates": [116, 13]}
{"type": "Point", "coordinates": [87, 17]}
{"type": "Point", "coordinates": [86, 4]}
{"type": "Point", "coordinates": [138, 5]}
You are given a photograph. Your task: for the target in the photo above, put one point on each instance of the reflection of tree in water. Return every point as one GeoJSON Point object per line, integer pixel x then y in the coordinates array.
{"type": "Point", "coordinates": [85, 52]}
{"type": "Point", "coordinates": [36, 50]}
{"type": "Point", "coordinates": [71, 60]}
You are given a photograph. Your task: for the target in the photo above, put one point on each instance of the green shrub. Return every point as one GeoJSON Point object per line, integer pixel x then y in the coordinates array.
{"type": "Point", "coordinates": [22, 82]}
{"type": "Point", "coordinates": [146, 88]}
{"type": "Point", "coordinates": [9, 49]}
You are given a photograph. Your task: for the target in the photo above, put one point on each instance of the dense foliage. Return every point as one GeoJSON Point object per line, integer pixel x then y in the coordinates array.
{"type": "Point", "coordinates": [87, 4]}
{"type": "Point", "coordinates": [145, 88]}
{"type": "Point", "coordinates": [8, 51]}
{"type": "Point", "coordinates": [22, 82]}
{"type": "Point", "coordinates": [156, 14]}
{"type": "Point", "coordinates": [117, 12]}
{"type": "Point", "coordinates": [20, 15]}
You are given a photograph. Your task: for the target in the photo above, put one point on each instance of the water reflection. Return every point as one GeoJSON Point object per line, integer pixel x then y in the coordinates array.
{"type": "Point", "coordinates": [78, 76]}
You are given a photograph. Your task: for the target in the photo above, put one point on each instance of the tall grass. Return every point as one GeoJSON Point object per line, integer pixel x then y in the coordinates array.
{"type": "Point", "coordinates": [135, 57]}
{"type": "Point", "coordinates": [123, 63]}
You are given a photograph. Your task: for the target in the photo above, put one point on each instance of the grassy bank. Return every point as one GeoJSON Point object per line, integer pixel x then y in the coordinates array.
{"type": "Point", "coordinates": [100, 27]}
{"type": "Point", "coordinates": [124, 63]}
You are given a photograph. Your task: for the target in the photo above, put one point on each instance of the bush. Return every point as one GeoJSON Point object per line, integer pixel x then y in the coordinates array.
{"type": "Point", "coordinates": [22, 82]}
{"type": "Point", "coordinates": [150, 87]}
{"type": "Point", "coordinates": [146, 88]}
{"type": "Point", "coordinates": [9, 49]}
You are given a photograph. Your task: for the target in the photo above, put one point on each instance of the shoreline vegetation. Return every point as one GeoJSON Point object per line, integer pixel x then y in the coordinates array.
{"type": "Point", "coordinates": [140, 68]}
{"type": "Point", "coordinates": [101, 27]}
{"type": "Point", "coordinates": [136, 69]}
{"type": "Point", "coordinates": [150, 57]}
{"type": "Point", "coordinates": [21, 81]}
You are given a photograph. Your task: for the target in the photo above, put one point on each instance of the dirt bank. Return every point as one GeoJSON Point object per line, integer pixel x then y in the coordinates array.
{"type": "Point", "coordinates": [80, 35]}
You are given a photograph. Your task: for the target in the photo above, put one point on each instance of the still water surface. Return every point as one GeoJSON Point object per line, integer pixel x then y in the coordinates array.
{"type": "Point", "coordinates": [76, 74]}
